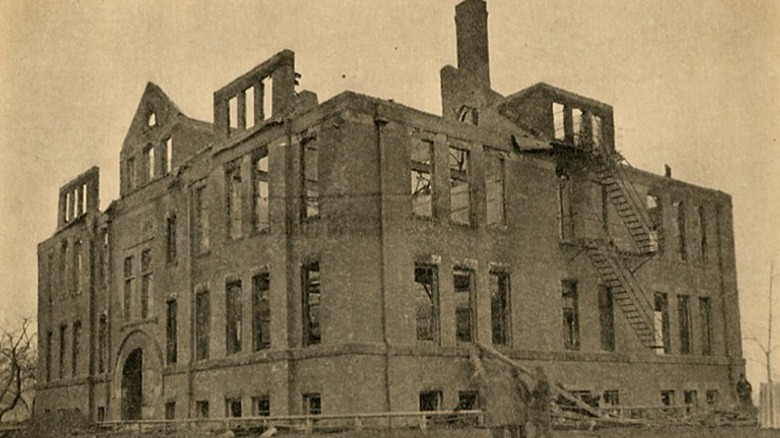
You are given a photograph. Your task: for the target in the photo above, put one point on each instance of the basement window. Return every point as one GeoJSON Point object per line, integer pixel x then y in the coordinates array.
{"type": "Point", "coordinates": [712, 397]}
{"type": "Point", "coordinates": [684, 313]}
{"type": "Point", "coordinates": [571, 325]}
{"type": "Point", "coordinates": [499, 307]}
{"type": "Point", "coordinates": [667, 397]}
{"type": "Point", "coordinates": [426, 291]}
{"type": "Point", "coordinates": [463, 283]}
{"type": "Point", "coordinates": [661, 323]}
{"type": "Point", "coordinates": [233, 316]}
{"type": "Point", "coordinates": [460, 193]}
{"type": "Point", "coordinates": [421, 154]}
{"type": "Point", "coordinates": [233, 407]}
{"type": "Point", "coordinates": [312, 404]}
{"type": "Point", "coordinates": [430, 401]}
{"type": "Point", "coordinates": [261, 406]}
{"type": "Point", "coordinates": [468, 400]}
{"type": "Point", "coordinates": [312, 296]}
{"type": "Point", "coordinates": [611, 397]}
{"type": "Point", "coordinates": [261, 312]}
{"type": "Point", "coordinates": [558, 111]}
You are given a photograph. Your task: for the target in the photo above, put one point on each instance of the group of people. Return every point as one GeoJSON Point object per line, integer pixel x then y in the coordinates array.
{"type": "Point", "coordinates": [513, 404]}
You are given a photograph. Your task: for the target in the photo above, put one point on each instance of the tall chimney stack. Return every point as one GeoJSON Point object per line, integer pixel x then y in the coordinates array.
{"type": "Point", "coordinates": [471, 29]}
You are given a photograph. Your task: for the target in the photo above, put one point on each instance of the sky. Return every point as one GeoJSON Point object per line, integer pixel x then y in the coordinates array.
{"type": "Point", "coordinates": [695, 84]}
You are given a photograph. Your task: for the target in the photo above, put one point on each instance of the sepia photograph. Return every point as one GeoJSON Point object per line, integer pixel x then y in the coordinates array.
{"type": "Point", "coordinates": [399, 218]}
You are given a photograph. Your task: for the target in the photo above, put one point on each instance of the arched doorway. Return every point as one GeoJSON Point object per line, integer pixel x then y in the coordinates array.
{"type": "Point", "coordinates": [132, 385]}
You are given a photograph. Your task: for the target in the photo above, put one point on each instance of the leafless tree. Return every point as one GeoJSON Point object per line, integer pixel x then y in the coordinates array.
{"type": "Point", "coordinates": [17, 366]}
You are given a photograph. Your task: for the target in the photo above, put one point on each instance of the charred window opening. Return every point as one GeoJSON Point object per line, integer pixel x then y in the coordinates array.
{"type": "Point", "coordinates": [421, 178]}
{"type": "Point", "coordinates": [312, 297]}
{"type": "Point", "coordinates": [234, 196]}
{"type": "Point", "coordinates": [261, 312]}
{"type": "Point", "coordinates": [233, 407]}
{"type": "Point", "coordinates": [102, 343]}
{"type": "Point", "coordinates": [468, 400]}
{"type": "Point", "coordinates": [661, 323]}
{"type": "Point", "coordinates": [202, 325]}
{"type": "Point", "coordinates": [61, 368]}
{"type": "Point", "coordinates": [171, 252]}
{"type": "Point", "coordinates": [691, 397]}
{"type": "Point", "coordinates": [311, 181]}
{"type": "Point", "coordinates": [128, 286]}
{"type": "Point", "coordinates": [233, 312]}
{"type": "Point", "coordinates": [49, 336]}
{"type": "Point", "coordinates": [712, 397]}
{"type": "Point", "coordinates": [202, 409]}
{"type": "Point", "coordinates": [705, 315]}
{"type": "Point", "coordinates": [499, 307]}
{"type": "Point", "coordinates": [465, 304]}
{"type": "Point", "coordinates": [430, 401]}
{"type": "Point", "coordinates": [571, 324]}
{"type": "Point", "coordinates": [495, 177]}
{"type": "Point", "coordinates": [77, 268]}
{"type": "Point", "coordinates": [679, 209]}
{"type": "Point", "coordinates": [170, 409]}
{"type": "Point", "coordinates": [75, 348]}
{"type": "Point", "coordinates": [667, 397]}
{"type": "Point", "coordinates": [607, 318]}
{"type": "Point", "coordinates": [460, 187]}
{"type": "Point", "coordinates": [261, 203]}
{"type": "Point", "coordinates": [703, 241]}
{"type": "Point", "coordinates": [426, 292]}
{"type": "Point", "coordinates": [201, 220]}
{"type": "Point", "coordinates": [684, 313]}
{"type": "Point", "coordinates": [146, 281]}
{"type": "Point", "coordinates": [63, 268]}
{"type": "Point", "coordinates": [565, 212]}
{"type": "Point", "coordinates": [171, 339]}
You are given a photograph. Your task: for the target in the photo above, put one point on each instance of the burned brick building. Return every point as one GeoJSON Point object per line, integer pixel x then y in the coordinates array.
{"type": "Point", "coordinates": [297, 257]}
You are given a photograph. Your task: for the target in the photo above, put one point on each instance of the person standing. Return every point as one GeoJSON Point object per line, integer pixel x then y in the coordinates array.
{"type": "Point", "coordinates": [744, 393]}
{"type": "Point", "coordinates": [503, 398]}
{"type": "Point", "coordinates": [541, 397]}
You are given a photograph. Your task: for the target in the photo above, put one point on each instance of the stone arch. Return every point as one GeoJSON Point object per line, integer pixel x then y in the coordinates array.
{"type": "Point", "coordinates": [139, 361]}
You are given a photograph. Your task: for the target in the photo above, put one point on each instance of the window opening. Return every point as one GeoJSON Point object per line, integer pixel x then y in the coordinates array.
{"type": "Point", "coordinates": [131, 173]}
{"type": "Point", "coordinates": [152, 120]}
{"type": "Point", "coordinates": [712, 397]}
{"type": "Point", "coordinates": [577, 126]}
{"type": "Point", "coordinates": [468, 400]}
{"type": "Point", "coordinates": [249, 95]}
{"type": "Point", "coordinates": [233, 112]}
{"type": "Point", "coordinates": [102, 343]}
{"type": "Point", "coordinates": [430, 401]}
{"type": "Point", "coordinates": [261, 314]}
{"type": "Point", "coordinates": [170, 239]}
{"type": "Point", "coordinates": [202, 409]}
{"type": "Point", "coordinates": [495, 176]}
{"type": "Point", "coordinates": [684, 312]}
{"type": "Point", "coordinates": [170, 410]}
{"type": "Point", "coordinates": [149, 162]}
{"type": "Point", "coordinates": [146, 281]}
{"type": "Point", "coordinates": [171, 340]}
{"type": "Point", "coordinates": [597, 133]}
{"type": "Point", "coordinates": [460, 196]}
{"type": "Point", "coordinates": [667, 397]}
{"type": "Point", "coordinates": [77, 267]}
{"type": "Point", "coordinates": [128, 290]}
{"type": "Point", "coordinates": [49, 337]}
{"type": "Point", "coordinates": [233, 407]}
{"type": "Point", "coordinates": [75, 348]}
{"type": "Point", "coordinates": [234, 195]}
{"type": "Point", "coordinates": [661, 323]}
{"type": "Point", "coordinates": [558, 124]}
{"type": "Point", "coordinates": [312, 404]}
{"type": "Point", "coordinates": [261, 193]}
{"type": "Point", "coordinates": [201, 219]}
{"type": "Point", "coordinates": [571, 328]}
{"type": "Point", "coordinates": [679, 208]}
{"type": "Point", "coordinates": [427, 298]}
{"type": "Point", "coordinates": [612, 397]}
{"type": "Point", "coordinates": [61, 369]}
{"type": "Point", "coordinates": [463, 282]}
{"type": "Point", "coordinates": [311, 183]}
{"type": "Point", "coordinates": [421, 177]}
{"type": "Point", "coordinates": [268, 97]}
{"type": "Point", "coordinates": [499, 307]}
{"type": "Point", "coordinates": [705, 309]}
{"type": "Point", "coordinates": [703, 234]}
{"type": "Point", "coordinates": [202, 325]}
{"type": "Point", "coordinates": [261, 406]}
{"type": "Point", "coordinates": [607, 318]}
{"type": "Point", "coordinates": [312, 298]}
{"type": "Point", "coordinates": [234, 313]}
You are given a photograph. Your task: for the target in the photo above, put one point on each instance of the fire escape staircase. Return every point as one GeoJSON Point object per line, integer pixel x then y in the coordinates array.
{"type": "Point", "coordinates": [611, 265]}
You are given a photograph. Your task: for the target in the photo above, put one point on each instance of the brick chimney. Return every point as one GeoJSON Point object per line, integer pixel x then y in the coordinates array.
{"type": "Point", "coordinates": [471, 29]}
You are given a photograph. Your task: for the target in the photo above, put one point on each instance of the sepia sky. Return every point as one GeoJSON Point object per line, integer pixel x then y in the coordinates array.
{"type": "Point", "coordinates": [695, 84]}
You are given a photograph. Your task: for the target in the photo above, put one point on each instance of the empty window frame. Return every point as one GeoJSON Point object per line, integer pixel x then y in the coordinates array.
{"type": "Point", "coordinates": [233, 312]}
{"type": "Point", "coordinates": [49, 336]}
{"type": "Point", "coordinates": [703, 241]}
{"type": "Point", "coordinates": [234, 195]}
{"type": "Point", "coordinates": [499, 307]}
{"type": "Point", "coordinates": [310, 187]}
{"type": "Point", "coordinates": [691, 397]}
{"type": "Point", "coordinates": [149, 170]}
{"type": "Point", "coordinates": [171, 339]}
{"type": "Point", "coordinates": [171, 250]}
{"type": "Point", "coordinates": [249, 106]}
{"type": "Point", "coordinates": [667, 397]}
{"type": "Point", "coordinates": [166, 155]}
{"type": "Point", "coordinates": [61, 368]}
{"type": "Point", "coordinates": [684, 313]}
{"type": "Point", "coordinates": [577, 126]}
{"type": "Point", "coordinates": [201, 220]}
{"type": "Point", "coordinates": [75, 348]}
{"type": "Point", "coordinates": [260, 195]}
{"type": "Point", "coordinates": [460, 187]}
{"type": "Point", "coordinates": [426, 293]}
{"type": "Point", "coordinates": [597, 133]}
{"type": "Point", "coordinates": [655, 212]}
{"type": "Point", "coordinates": [421, 153]}
{"type": "Point", "coordinates": [202, 324]}
{"type": "Point", "coordinates": [50, 277]}
{"type": "Point", "coordinates": [127, 296]}
{"type": "Point", "coordinates": [679, 210]}
{"type": "Point", "coordinates": [468, 400]}
{"type": "Point", "coordinates": [661, 323]}
{"type": "Point", "coordinates": [202, 409]}
{"type": "Point", "coordinates": [705, 319]}
{"type": "Point", "coordinates": [607, 318]}
{"type": "Point", "coordinates": [430, 401]}
{"type": "Point", "coordinates": [102, 343]}
{"type": "Point", "coordinates": [233, 407]}
{"type": "Point", "coordinates": [77, 269]}
{"type": "Point", "coordinates": [312, 404]}
{"type": "Point", "coordinates": [312, 297]}
{"type": "Point", "coordinates": [170, 409]}
{"type": "Point", "coordinates": [465, 304]}
{"type": "Point", "coordinates": [495, 180]}
{"type": "Point", "coordinates": [261, 406]}
{"type": "Point", "coordinates": [261, 312]}
{"type": "Point", "coordinates": [268, 97]}
{"type": "Point", "coordinates": [571, 324]}
{"type": "Point", "coordinates": [151, 119]}
{"type": "Point", "coordinates": [712, 397]}
{"type": "Point", "coordinates": [233, 112]}
{"type": "Point", "coordinates": [101, 413]}
{"type": "Point", "coordinates": [559, 127]}
{"type": "Point", "coordinates": [565, 213]}
{"type": "Point", "coordinates": [146, 282]}
{"type": "Point", "coordinates": [63, 271]}
{"type": "Point", "coordinates": [611, 397]}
